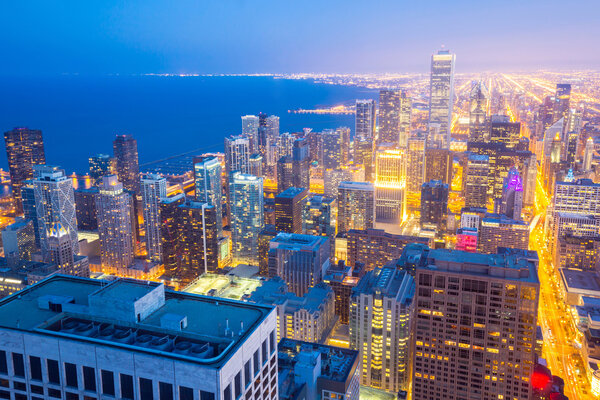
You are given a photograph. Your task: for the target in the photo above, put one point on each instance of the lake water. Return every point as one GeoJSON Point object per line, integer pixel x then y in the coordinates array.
{"type": "Point", "coordinates": [79, 115]}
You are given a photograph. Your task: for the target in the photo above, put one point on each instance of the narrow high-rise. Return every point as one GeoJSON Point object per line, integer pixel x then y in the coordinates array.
{"type": "Point", "coordinates": [101, 165]}
{"type": "Point", "coordinates": [356, 206]}
{"type": "Point", "coordinates": [247, 219]}
{"type": "Point", "coordinates": [415, 171]}
{"type": "Point", "coordinates": [128, 168]}
{"type": "Point", "coordinates": [390, 186]}
{"type": "Point", "coordinates": [441, 100]}
{"type": "Point", "coordinates": [394, 117]}
{"type": "Point", "coordinates": [209, 186]}
{"type": "Point", "coordinates": [288, 209]}
{"type": "Point", "coordinates": [478, 107]}
{"type": "Point", "coordinates": [365, 119]}
{"type": "Point", "coordinates": [154, 188]}
{"type": "Point", "coordinates": [476, 180]}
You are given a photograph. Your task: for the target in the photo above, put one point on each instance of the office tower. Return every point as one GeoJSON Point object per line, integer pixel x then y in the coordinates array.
{"type": "Point", "coordinates": [441, 100]}
{"type": "Point", "coordinates": [18, 241]}
{"type": "Point", "coordinates": [500, 231]}
{"type": "Point", "coordinates": [237, 155]}
{"type": "Point", "coordinates": [470, 217]}
{"type": "Point", "coordinates": [578, 252]}
{"type": "Point", "coordinates": [285, 142]}
{"type": "Point", "coordinates": [476, 180]}
{"type": "Point", "coordinates": [570, 148]}
{"type": "Point", "coordinates": [307, 368]}
{"type": "Point", "coordinates": [169, 232]}
{"type": "Point", "coordinates": [434, 204]}
{"type": "Point", "coordinates": [342, 279]}
{"type": "Point", "coordinates": [390, 186]}
{"type": "Point", "coordinates": [435, 136]}
{"type": "Point", "coordinates": [374, 248]}
{"type": "Point", "coordinates": [319, 216]}
{"type": "Point", "coordinates": [154, 189]}
{"type": "Point", "coordinates": [405, 118]}
{"type": "Point", "coordinates": [85, 208]}
{"type": "Point", "coordinates": [300, 260]}
{"type": "Point", "coordinates": [24, 149]}
{"type": "Point", "coordinates": [288, 209]}
{"type": "Point", "coordinates": [504, 131]}
{"type": "Point", "coordinates": [115, 209]}
{"type": "Point", "coordinates": [363, 155]}
{"type": "Point", "coordinates": [461, 337]}
{"type": "Point", "coordinates": [101, 165]}
{"type": "Point", "coordinates": [189, 337]}
{"type": "Point", "coordinates": [438, 165]}
{"type": "Point", "coordinates": [29, 211]}
{"type": "Point", "coordinates": [315, 146]}
{"type": "Point", "coordinates": [59, 252]}
{"type": "Point", "coordinates": [285, 174]}
{"type": "Point", "coordinates": [512, 195]}
{"type": "Point", "coordinates": [381, 311]}
{"type": "Point", "coordinates": [389, 116]}
{"type": "Point", "coordinates": [365, 119]}
{"type": "Point", "coordinates": [54, 204]}
{"type": "Point", "coordinates": [588, 154]}
{"type": "Point", "coordinates": [415, 171]}
{"type": "Point", "coordinates": [479, 99]}
{"type": "Point", "coordinates": [128, 168]}
{"type": "Point", "coordinates": [209, 186]}
{"type": "Point", "coordinates": [268, 131]}
{"type": "Point", "coordinates": [466, 239]}
{"type": "Point", "coordinates": [293, 170]}
{"type": "Point", "coordinates": [264, 239]}
{"type": "Point", "coordinates": [561, 101]}
{"type": "Point", "coordinates": [247, 219]}
{"type": "Point", "coordinates": [250, 124]}
{"type": "Point", "coordinates": [344, 132]}
{"type": "Point", "coordinates": [332, 149]}
{"type": "Point", "coordinates": [356, 206]}
{"type": "Point", "coordinates": [332, 178]}
{"type": "Point", "coordinates": [255, 164]}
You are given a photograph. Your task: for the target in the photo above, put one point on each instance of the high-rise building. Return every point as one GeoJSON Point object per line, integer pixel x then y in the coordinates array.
{"type": "Point", "coordinates": [363, 155]}
{"type": "Point", "coordinates": [115, 212]}
{"type": "Point", "coordinates": [247, 219]}
{"type": "Point", "coordinates": [356, 206]}
{"type": "Point", "coordinates": [332, 149]}
{"type": "Point", "coordinates": [18, 241]}
{"type": "Point", "coordinates": [237, 154]}
{"type": "Point", "coordinates": [405, 118]}
{"type": "Point", "coordinates": [60, 254]}
{"type": "Point", "coordinates": [500, 231]}
{"type": "Point", "coordinates": [504, 131]}
{"type": "Point", "coordinates": [54, 204]}
{"type": "Point", "coordinates": [268, 132]}
{"type": "Point", "coordinates": [255, 164]}
{"type": "Point", "coordinates": [293, 170]}
{"type": "Point", "coordinates": [288, 209]}
{"type": "Point", "coordinates": [189, 336]}
{"type": "Point", "coordinates": [512, 195]}
{"type": "Point", "coordinates": [128, 168]}
{"type": "Point", "coordinates": [85, 207]}
{"type": "Point", "coordinates": [154, 189]}
{"type": "Point", "coordinates": [466, 239]}
{"type": "Point", "coordinates": [342, 279]}
{"type": "Point", "coordinates": [389, 116]}
{"type": "Point", "coordinates": [462, 345]}
{"type": "Point", "coordinates": [562, 101]}
{"type": "Point", "coordinates": [264, 239]}
{"type": "Point", "coordinates": [24, 149]}
{"type": "Point", "coordinates": [209, 186]}
{"type": "Point", "coordinates": [479, 99]}
{"type": "Point", "coordinates": [381, 311]}
{"type": "Point", "coordinates": [438, 165]}
{"type": "Point", "coordinates": [250, 124]}
{"type": "Point", "coordinates": [588, 154]}
{"type": "Point", "coordinates": [300, 260]}
{"type": "Point", "coordinates": [476, 180]}
{"type": "Point", "coordinates": [365, 119]}
{"type": "Point", "coordinates": [390, 186]}
{"type": "Point", "coordinates": [434, 204]}
{"type": "Point", "coordinates": [319, 217]}
{"type": "Point", "coordinates": [29, 211]}
{"type": "Point", "coordinates": [415, 171]}
{"type": "Point", "coordinates": [441, 100]}
{"type": "Point", "coordinates": [101, 165]}
{"type": "Point", "coordinates": [169, 232]}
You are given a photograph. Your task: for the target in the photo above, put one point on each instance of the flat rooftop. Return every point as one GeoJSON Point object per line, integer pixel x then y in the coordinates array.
{"type": "Point", "coordinates": [207, 318]}
{"type": "Point", "coordinates": [290, 193]}
{"type": "Point", "coordinates": [226, 286]}
{"type": "Point", "coordinates": [575, 280]}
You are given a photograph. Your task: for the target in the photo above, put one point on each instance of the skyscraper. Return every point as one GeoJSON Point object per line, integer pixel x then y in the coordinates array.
{"type": "Point", "coordinates": [438, 165]}
{"type": "Point", "coordinates": [319, 218]}
{"type": "Point", "coordinates": [169, 232]}
{"type": "Point", "coordinates": [478, 107]}
{"type": "Point", "coordinates": [18, 241]}
{"type": "Point", "coordinates": [55, 204]}
{"type": "Point", "coordinates": [247, 219]}
{"type": "Point", "coordinates": [389, 116]}
{"type": "Point", "coordinates": [500, 231]}
{"type": "Point", "coordinates": [288, 209]}
{"type": "Point", "coordinates": [381, 309]}
{"type": "Point", "coordinates": [363, 155]}
{"type": "Point", "coordinates": [365, 119]}
{"type": "Point", "coordinates": [462, 345]}
{"type": "Point", "coordinates": [268, 131]}
{"type": "Point", "coordinates": [434, 203]}
{"type": "Point", "coordinates": [405, 118]}
{"type": "Point", "coordinates": [255, 164]}
{"type": "Point", "coordinates": [512, 195]}
{"type": "Point", "coordinates": [562, 100]}
{"type": "Point", "coordinates": [332, 149]}
{"type": "Point", "coordinates": [24, 149]}
{"type": "Point", "coordinates": [476, 180]}
{"type": "Point", "coordinates": [415, 171]}
{"type": "Point", "coordinates": [85, 208]}
{"type": "Point", "coordinates": [356, 206]}
{"type": "Point", "coordinates": [115, 211]}
{"type": "Point", "coordinates": [209, 187]}
{"type": "Point", "coordinates": [293, 170]}
{"type": "Point", "coordinates": [101, 165]}
{"type": "Point", "coordinates": [237, 154]}
{"type": "Point", "coordinates": [441, 100]}
{"type": "Point", "coordinates": [588, 154]}
{"type": "Point", "coordinates": [250, 124]}
{"type": "Point", "coordinates": [128, 168]}
{"type": "Point", "coordinates": [504, 131]}
{"type": "Point", "coordinates": [154, 188]}
{"type": "Point", "coordinates": [390, 186]}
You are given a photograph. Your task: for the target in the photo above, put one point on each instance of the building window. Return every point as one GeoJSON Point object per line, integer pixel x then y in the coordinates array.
{"type": "Point", "coordinates": [146, 391]}
{"type": "Point", "coordinates": [108, 382]}
{"type": "Point", "coordinates": [256, 363]}
{"type": "Point", "coordinates": [247, 373]}
{"type": "Point", "coordinates": [18, 364]}
{"type": "Point", "coordinates": [35, 364]}
{"type": "Point", "coordinates": [126, 386]}
{"type": "Point", "coordinates": [227, 393]}
{"type": "Point", "coordinates": [3, 365]}
{"type": "Point", "coordinates": [89, 379]}
{"type": "Point", "coordinates": [71, 396]}
{"type": "Point", "coordinates": [165, 391]}
{"type": "Point", "coordinates": [264, 351]}
{"type": "Point", "coordinates": [71, 374]}
{"type": "Point", "coordinates": [57, 394]}
{"type": "Point", "coordinates": [53, 371]}
{"type": "Point", "coordinates": [238, 385]}
{"type": "Point", "coordinates": [4, 394]}
{"type": "Point", "coordinates": [186, 393]}
{"type": "Point", "coordinates": [206, 395]}
{"type": "Point", "coordinates": [272, 341]}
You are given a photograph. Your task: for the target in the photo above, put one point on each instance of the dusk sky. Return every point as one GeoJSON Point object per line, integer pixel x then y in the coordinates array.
{"type": "Point", "coordinates": [227, 36]}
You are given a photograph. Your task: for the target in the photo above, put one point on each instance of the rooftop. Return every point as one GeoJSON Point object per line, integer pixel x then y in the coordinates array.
{"type": "Point", "coordinates": [290, 193]}
{"type": "Point", "coordinates": [584, 282]}
{"type": "Point", "coordinates": [225, 286]}
{"type": "Point", "coordinates": [296, 241]}
{"type": "Point", "coordinates": [356, 186]}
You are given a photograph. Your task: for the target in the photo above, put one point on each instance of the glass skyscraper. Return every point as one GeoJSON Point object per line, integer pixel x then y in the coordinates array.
{"type": "Point", "coordinates": [208, 185]}
{"type": "Point", "coordinates": [247, 216]}
{"type": "Point", "coordinates": [441, 101]}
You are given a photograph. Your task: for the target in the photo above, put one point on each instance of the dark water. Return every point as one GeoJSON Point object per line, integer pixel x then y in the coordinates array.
{"type": "Point", "coordinates": [79, 116]}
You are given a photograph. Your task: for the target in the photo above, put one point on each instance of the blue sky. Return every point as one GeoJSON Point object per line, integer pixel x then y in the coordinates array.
{"type": "Point", "coordinates": [241, 36]}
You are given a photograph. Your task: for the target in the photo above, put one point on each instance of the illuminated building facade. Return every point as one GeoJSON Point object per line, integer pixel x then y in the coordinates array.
{"type": "Point", "coordinates": [293, 170]}
{"type": "Point", "coordinates": [501, 231]}
{"type": "Point", "coordinates": [390, 186]}
{"type": "Point", "coordinates": [85, 207]}
{"type": "Point", "coordinates": [434, 203]}
{"type": "Point", "coordinates": [381, 310]}
{"type": "Point", "coordinates": [247, 219]}
{"type": "Point", "coordinates": [462, 345]}
{"type": "Point", "coordinates": [18, 241]}
{"type": "Point", "coordinates": [154, 189]}
{"type": "Point", "coordinates": [365, 119]}
{"type": "Point", "coordinates": [504, 131]}
{"type": "Point", "coordinates": [394, 117]}
{"type": "Point", "coordinates": [415, 171]}
{"type": "Point", "coordinates": [288, 210]}
{"type": "Point", "coordinates": [332, 149]}
{"type": "Point", "coordinates": [255, 164]}
{"type": "Point", "coordinates": [209, 186]}
{"type": "Point", "coordinates": [250, 124]}
{"type": "Point", "coordinates": [438, 165]}
{"type": "Point", "coordinates": [441, 100]}
{"type": "Point", "coordinates": [466, 239]}
{"type": "Point", "coordinates": [237, 154]}
{"type": "Point", "coordinates": [319, 218]}
{"type": "Point", "coordinates": [169, 232]}
{"type": "Point", "coordinates": [588, 154]}
{"type": "Point", "coordinates": [512, 195]}
{"type": "Point", "coordinates": [128, 167]}
{"type": "Point", "coordinates": [578, 252]}
{"type": "Point", "coordinates": [476, 180]}
{"type": "Point", "coordinates": [264, 239]}
{"type": "Point", "coordinates": [342, 279]}
{"type": "Point", "coordinates": [115, 225]}
{"type": "Point", "coordinates": [479, 100]}
{"type": "Point", "coordinates": [356, 206]}
{"type": "Point", "coordinates": [101, 165]}
{"type": "Point", "coordinates": [363, 155]}
{"type": "Point", "coordinates": [24, 149]}
{"type": "Point", "coordinates": [562, 100]}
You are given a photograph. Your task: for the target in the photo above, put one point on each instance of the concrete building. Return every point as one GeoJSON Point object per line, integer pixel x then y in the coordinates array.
{"type": "Point", "coordinates": [154, 189]}
{"type": "Point", "coordinates": [475, 325]}
{"type": "Point", "coordinates": [159, 343]}
{"type": "Point", "coordinates": [250, 124]}
{"type": "Point", "coordinates": [319, 218]}
{"type": "Point", "coordinates": [500, 231]}
{"type": "Point", "coordinates": [580, 252]}
{"type": "Point", "coordinates": [128, 168]}
{"type": "Point", "coordinates": [380, 316]}
{"type": "Point", "coordinates": [18, 241]}
{"type": "Point", "coordinates": [342, 279]}
{"type": "Point", "coordinates": [288, 209]}
{"type": "Point", "coordinates": [85, 208]}
{"type": "Point", "coordinates": [476, 180]}
{"type": "Point", "coordinates": [247, 219]}
{"type": "Point", "coordinates": [438, 165]}
{"type": "Point", "coordinates": [415, 171]}
{"type": "Point", "coordinates": [356, 206]}
{"type": "Point", "coordinates": [332, 149]}
{"type": "Point", "coordinates": [502, 130]}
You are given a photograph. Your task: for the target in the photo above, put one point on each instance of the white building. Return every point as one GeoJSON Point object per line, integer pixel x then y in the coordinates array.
{"type": "Point", "coordinates": [154, 188]}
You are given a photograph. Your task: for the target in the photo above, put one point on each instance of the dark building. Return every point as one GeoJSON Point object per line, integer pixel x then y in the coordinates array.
{"type": "Point", "coordinates": [363, 154]}
{"type": "Point", "coordinates": [85, 207]}
{"type": "Point", "coordinates": [128, 168]}
{"type": "Point", "coordinates": [504, 131]}
{"type": "Point", "coordinates": [169, 232]}
{"type": "Point", "coordinates": [288, 210]}
{"type": "Point", "coordinates": [264, 238]}
{"type": "Point", "coordinates": [342, 279]}
{"type": "Point", "coordinates": [29, 210]}
{"type": "Point", "coordinates": [101, 165]}
{"type": "Point", "coordinates": [438, 165]}
{"type": "Point", "coordinates": [24, 149]}
{"type": "Point", "coordinates": [434, 203]}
